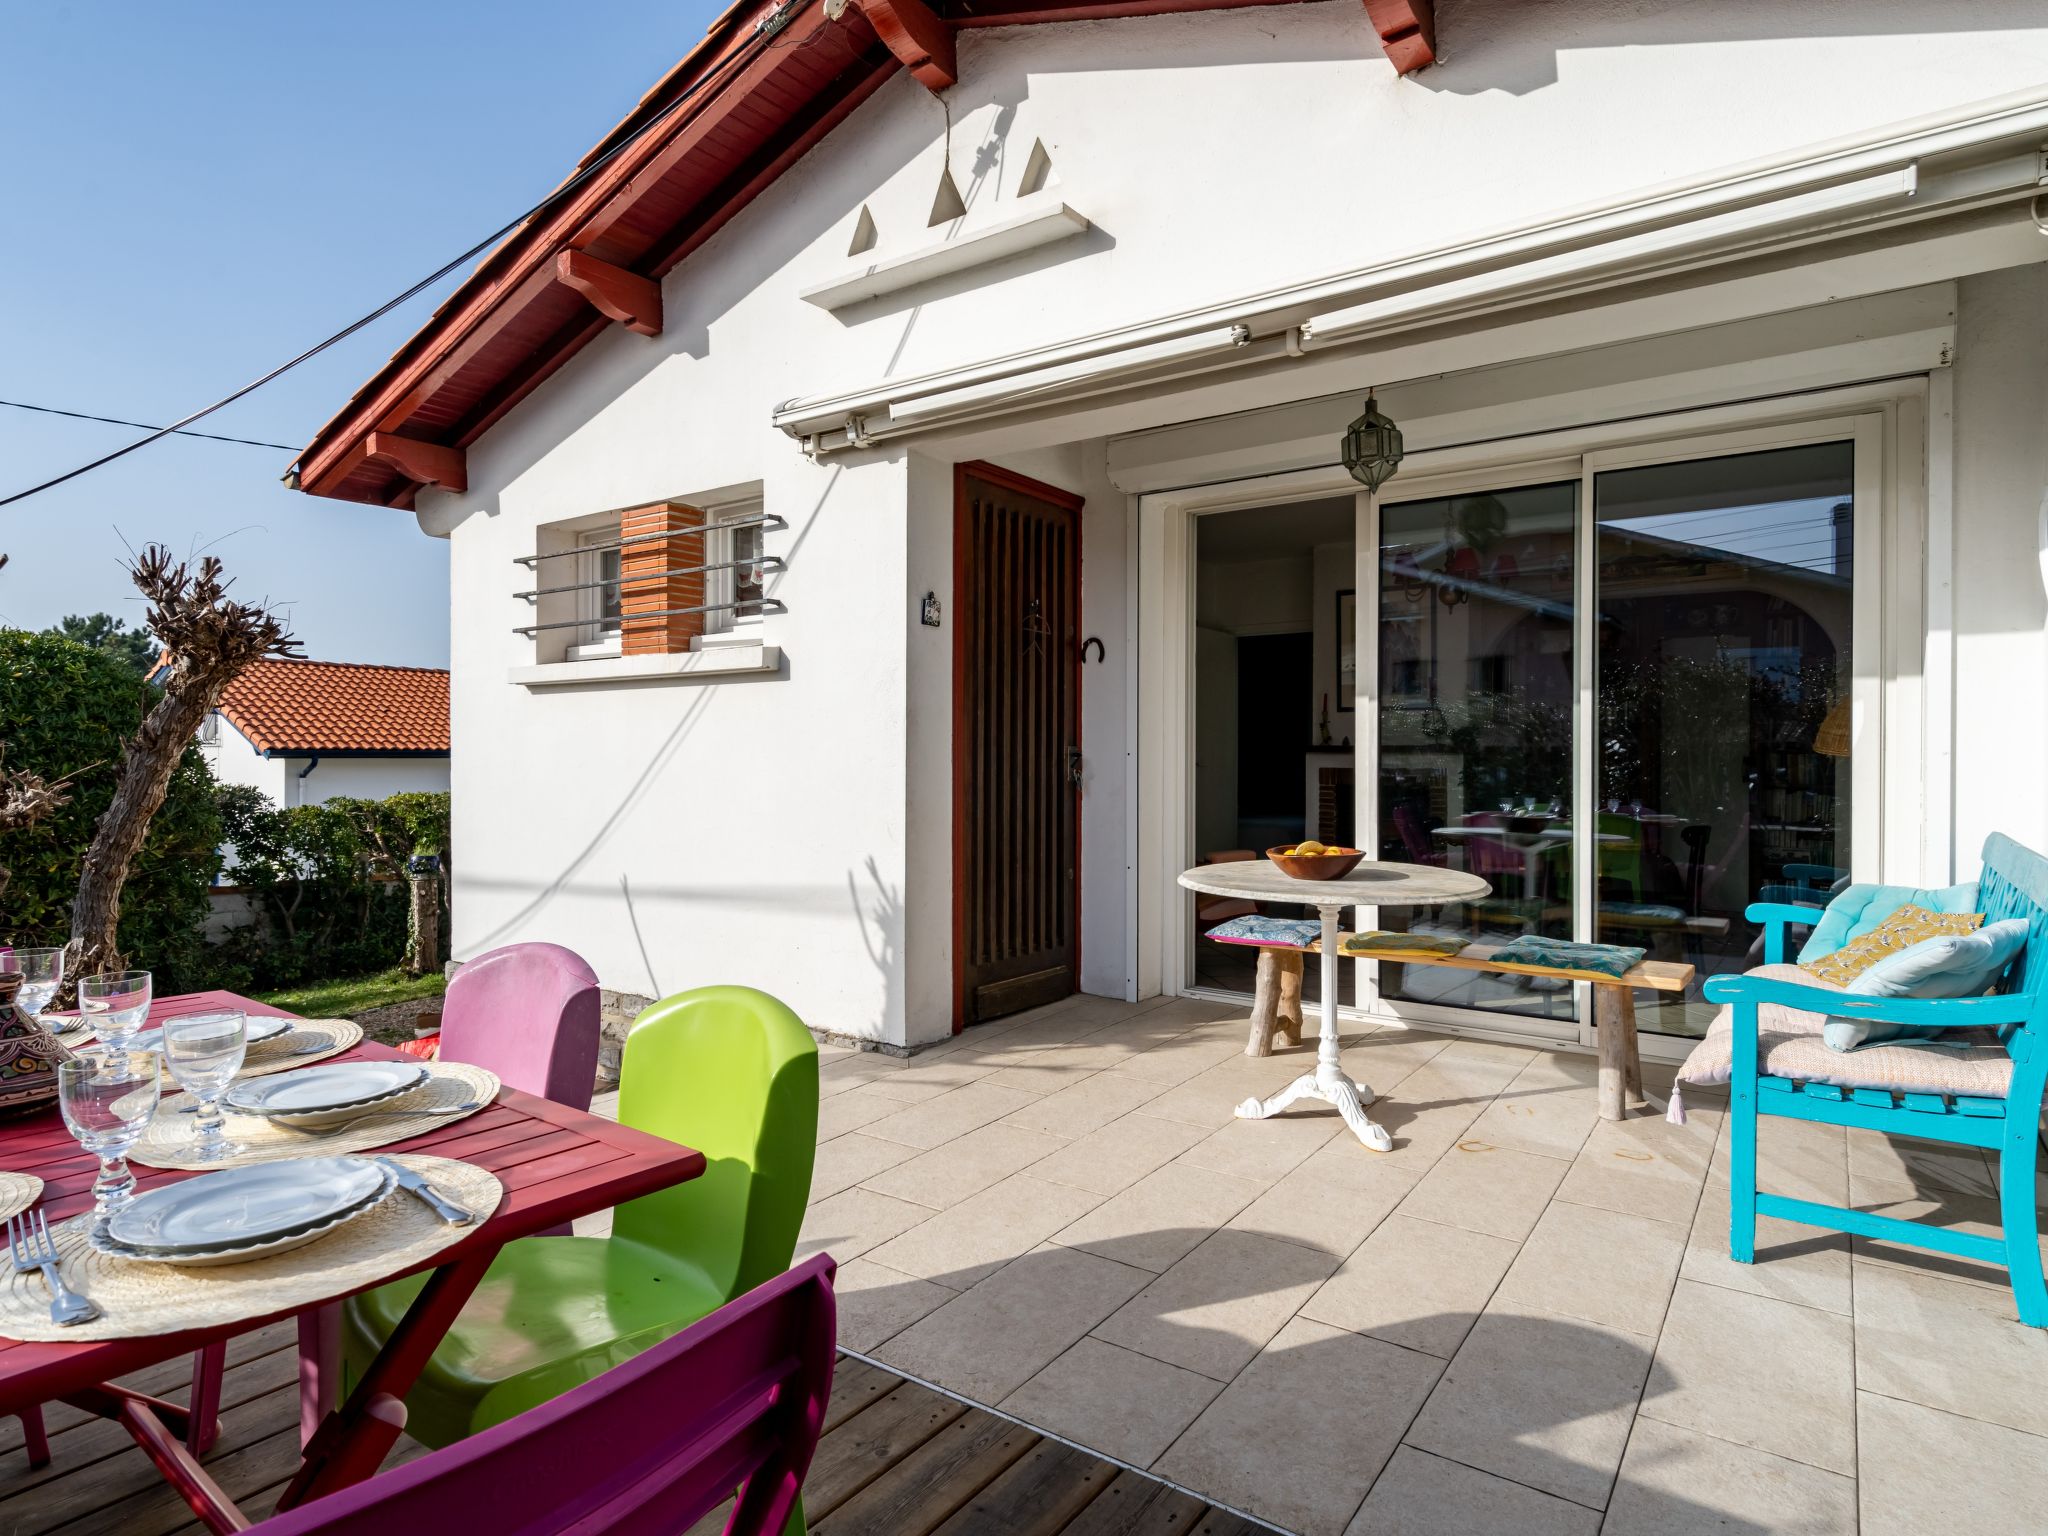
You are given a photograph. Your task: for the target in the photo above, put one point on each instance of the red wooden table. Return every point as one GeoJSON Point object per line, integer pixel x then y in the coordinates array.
{"type": "Point", "coordinates": [556, 1163]}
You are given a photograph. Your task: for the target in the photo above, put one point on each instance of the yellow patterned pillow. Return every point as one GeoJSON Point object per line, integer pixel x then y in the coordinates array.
{"type": "Point", "coordinates": [1901, 930]}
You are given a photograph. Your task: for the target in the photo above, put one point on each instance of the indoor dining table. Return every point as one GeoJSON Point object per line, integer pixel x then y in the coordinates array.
{"type": "Point", "coordinates": [555, 1163]}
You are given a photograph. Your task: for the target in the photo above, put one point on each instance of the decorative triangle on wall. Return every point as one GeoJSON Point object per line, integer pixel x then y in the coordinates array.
{"type": "Point", "coordinates": [948, 205]}
{"type": "Point", "coordinates": [1038, 171]}
{"type": "Point", "coordinates": [865, 234]}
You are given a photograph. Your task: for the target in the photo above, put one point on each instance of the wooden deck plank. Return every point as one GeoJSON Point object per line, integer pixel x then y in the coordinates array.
{"type": "Point", "coordinates": [917, 1494]}
{"type": "Point", "coordinates": [1136, 1505]}
{"type": "Point", "coordinates": [1036, 1495]}
{"type": "Point", "coordinates": [856, 1384]}
{"type": "Point", "coordinates": [871, 1442]}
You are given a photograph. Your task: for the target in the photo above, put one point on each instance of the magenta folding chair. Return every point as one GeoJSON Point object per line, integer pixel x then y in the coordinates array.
{"type": "Point", "coordinates": [529, 1013]}
{"type": "Point", "coordinates": [734, 1401]}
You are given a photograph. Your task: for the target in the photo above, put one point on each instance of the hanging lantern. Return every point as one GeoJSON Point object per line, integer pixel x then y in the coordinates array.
{"type": "Point", "coordinates": [1372, 447]}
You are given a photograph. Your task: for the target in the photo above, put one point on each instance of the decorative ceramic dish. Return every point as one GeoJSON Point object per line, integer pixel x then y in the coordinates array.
{"type": "Point", "coordinates": [1319, 865]}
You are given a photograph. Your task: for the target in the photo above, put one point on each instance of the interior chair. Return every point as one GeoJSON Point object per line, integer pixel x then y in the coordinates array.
{"type": "Point", "coordinates": [727, 1070]}
{"type": "Point", "coordinates": [654, 1444]}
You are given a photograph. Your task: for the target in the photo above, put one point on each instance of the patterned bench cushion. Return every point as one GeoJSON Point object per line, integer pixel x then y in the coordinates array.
{"type": "Point", "coordinates": [1790, 1044]}
{"type": "Point", "coordinates": [1382, 941]}
{"type": "Point", "coordinates": [1269, 932]}
{"type": "Point", "coordinates": [1599, 961]}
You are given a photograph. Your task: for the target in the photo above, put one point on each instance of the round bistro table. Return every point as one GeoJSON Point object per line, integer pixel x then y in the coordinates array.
{"type": "Point", "coordinates": [1374, 883]}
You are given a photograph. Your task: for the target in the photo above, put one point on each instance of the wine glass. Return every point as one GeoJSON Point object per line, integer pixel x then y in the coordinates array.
{"type": "Point", "coordinates": [204, 1052]}
{"type": "Point", "coordinates": [107, 1097]}
{"type": "Point", "coordinates": [116, 1004]}
{"type": "Point", "coordinates": [42, 972]}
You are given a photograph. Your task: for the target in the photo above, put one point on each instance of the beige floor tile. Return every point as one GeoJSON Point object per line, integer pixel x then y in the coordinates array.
{"type": "Point", "coordinates": [1761, 1373]}
{"type": "Point", "coordinates": [1382, 1057]}
{"type": "Point", "coordinates": [972, 1240]}
{"type": "Point", "coordinates": [1414, 1283]}
{"type": "Point", "coordinates": [605, 1105]}
{"type": "Point", "coordinates": [1800, 1158]}
{"type": "Point", "coordinates": [1550, 1107]}
{"type": "Point", "coordinates": [1483, 1068]}
{"type": "Point", "coordinates": [1161, 1218]}
{"type": "Point", "coordinates": [845, 1160]}
{"type": "Point", "coordinates": [876, 1302]}
{"type": "Point", "coordinates": [949, 1115]}
{"type": "Point", "coordinates": [857, 1067]}
{"type": "Point", "coordinates": [851, 1222]}
{"type": "Point", "coordinates": [922, 1080]}
{"type": "Point", "coordinates": [1113, 1400]}
{"type": "Point", "coordinates": [998, 1334]}
{"type": "Point", "coordinates": [1180, 1058]}
{"type": "Point", "coordinates": [858, 1106]}
{"type": "Point", "coordinates": [1947, 1209]}
{"type": "Point", "coordinates": [1424, 1495]}
{"type": "Point", "coordinates": [1298, 1438]}
{"type": "Point", "coordinates": [1214, 1310]}
{"type": "Point", "coordinates": [966, 1165]}
{"type": "Point", "coordinates": [1485, 1188]}
{"type": "Point", "coordinates": [1541, 1400]}
{"type": "Point", "coordinates": [1210, 1099]}
{"type": "Point", "coordinates": [1118, 1155]}
{"type": "Point", "coordinates": [1930, 1165]}
{"type": "Point", "coordinates": [1039, 1078]}
{"type": "Point", "coordinates": [1265, 1151]}
{"type": "Point", "coordinates": [1330, 1201]}
{"type": "Point", "coordinates": [1644, 1167]}
{"type": "Point", "coordinates": [1085, 1106]}
{"type": "Point", "coordinates": [1960, 1348]}
{"type": "Point", "coordinates": [1793, 1262]}
{"type": "Point", "coordinates": [1675, 1482]}
{"type": "Point", "coordinates": [1599, 1265]}
{"type": "Point", "coordinates": [1926, 1471]}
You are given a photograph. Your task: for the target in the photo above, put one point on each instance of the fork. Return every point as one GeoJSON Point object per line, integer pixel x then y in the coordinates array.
{"type": "Point", "coordinates": [32, 1247]}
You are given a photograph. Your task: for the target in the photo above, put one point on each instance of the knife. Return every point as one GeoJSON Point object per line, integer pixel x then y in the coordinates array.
{"type": "Point", "coordinates": [435, 1201]}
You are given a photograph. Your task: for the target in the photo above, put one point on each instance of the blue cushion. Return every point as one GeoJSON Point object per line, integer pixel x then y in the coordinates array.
{"type": "Point", "coordinates": [1562, 954]}
{"type": "Point", "coordinates": [1273, 932]}
{"type": "Point", "coordinates": [1861, 908]}
{"type": "Point", "coordinates": [1948, 965]}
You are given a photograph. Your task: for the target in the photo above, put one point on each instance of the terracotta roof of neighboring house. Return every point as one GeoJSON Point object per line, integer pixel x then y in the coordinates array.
{"type": "Point", "coordinates": [767, 83]}
{"type": "Point", "coordinates": [340, 708]}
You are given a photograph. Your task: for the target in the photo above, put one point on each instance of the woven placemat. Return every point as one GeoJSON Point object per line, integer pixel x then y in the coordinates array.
{"type": "Point", "coordinates": [141, 1300]}
{"type": "Point", "coordinates": [18, 1191]}
{"type": "Point", "coordinates": [168, 1141]}
{"type": "Point", "coordinates": [300, 1046]}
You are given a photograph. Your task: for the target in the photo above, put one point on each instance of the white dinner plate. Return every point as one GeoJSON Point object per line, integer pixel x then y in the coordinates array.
{"type": "Point", "coordinates": [259, 1202]}
{"type": "Point", "coordinates": [259, 1030]}
{"type": "Point", "coordinates": [101, 1241]}
{"type": "Point", "coordinates": [315, 1096]}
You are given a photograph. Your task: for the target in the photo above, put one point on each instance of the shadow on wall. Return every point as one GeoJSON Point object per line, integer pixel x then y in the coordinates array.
{"type": "Point", "coordinates": [1537, 1399]}
{"type": "Point", "coordinates": [1513, 45]}
{"type": "Point", "coordinates": [880, 918]}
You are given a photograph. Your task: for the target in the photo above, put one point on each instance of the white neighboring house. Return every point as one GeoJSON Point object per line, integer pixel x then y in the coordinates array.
{"type": "Point", "coordinates": [884, 488]}
{"type": "Point", "coordinates": [308, 731]}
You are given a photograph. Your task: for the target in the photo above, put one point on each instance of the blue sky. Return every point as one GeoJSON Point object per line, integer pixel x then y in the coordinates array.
{"type": "Point", "coordinates": [192, 194]}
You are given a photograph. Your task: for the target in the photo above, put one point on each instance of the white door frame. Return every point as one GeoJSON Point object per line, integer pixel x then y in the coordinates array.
{"type": "Point", "coordinates": [1897, 709]}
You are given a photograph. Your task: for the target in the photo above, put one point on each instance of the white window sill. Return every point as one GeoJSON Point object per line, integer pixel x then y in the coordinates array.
{"type": "Point", "coordinates": [684, 667]}
{"type": "Point", "coordinates": [1034, 221]}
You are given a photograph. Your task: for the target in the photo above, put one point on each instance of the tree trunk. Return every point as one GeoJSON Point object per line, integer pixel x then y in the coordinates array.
{"type": "Point", "coordinates": [423, 926]}
{"type": "Point", "coordinates": [152, 756]}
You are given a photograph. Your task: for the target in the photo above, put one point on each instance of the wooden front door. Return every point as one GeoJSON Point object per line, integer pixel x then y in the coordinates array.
{"type": "Point", "coordinates": [1016, 743]}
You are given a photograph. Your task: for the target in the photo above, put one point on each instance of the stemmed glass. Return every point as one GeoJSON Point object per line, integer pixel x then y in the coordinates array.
{"type": "Point", "coordinates": [42, 972]}
{"type": "Point", "coordinates": [116, 1004]}
{"type": "Point", "coordinates": [107, 1098]}
{"type": "Point", "coordinates": [204, 1052]}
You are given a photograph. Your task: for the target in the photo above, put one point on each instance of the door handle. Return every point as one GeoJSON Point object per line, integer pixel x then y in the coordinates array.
{"type": "Point", "coordinates": [1074, 766]}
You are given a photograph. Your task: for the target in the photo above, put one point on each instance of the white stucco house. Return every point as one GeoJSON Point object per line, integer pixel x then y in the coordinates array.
{"type": "Point", "coordinates": [898, 511]}
{"type": "Point", "coordinates": [305, 732]}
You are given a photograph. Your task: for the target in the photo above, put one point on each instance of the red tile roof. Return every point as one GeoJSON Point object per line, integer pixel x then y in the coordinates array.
{"type": "Point", "coordinates": [304, 707]}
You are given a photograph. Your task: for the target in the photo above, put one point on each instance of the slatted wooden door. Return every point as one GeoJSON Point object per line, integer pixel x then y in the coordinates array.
{"type": "Point", "coordinates": [1016, 743]}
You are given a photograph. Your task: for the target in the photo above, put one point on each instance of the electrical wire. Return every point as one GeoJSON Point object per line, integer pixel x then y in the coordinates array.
{"type": "Point", "coordinates": [116, 421]}
{"type": "Point", "coordinates": [581, 176]}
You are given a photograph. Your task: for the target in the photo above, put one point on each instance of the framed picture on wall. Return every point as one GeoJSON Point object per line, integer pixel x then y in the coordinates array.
{"type": "Point", "coordinates": [1347, 648]}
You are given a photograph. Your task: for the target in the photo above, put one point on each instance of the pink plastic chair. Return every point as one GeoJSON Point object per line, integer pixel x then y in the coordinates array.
{"type": "Point", "coordinates": [528, 1012]}
{"type": "Point", "coordinates": [653, 1445]}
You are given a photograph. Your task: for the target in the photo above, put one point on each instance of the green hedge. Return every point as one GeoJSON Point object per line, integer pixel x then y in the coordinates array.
{"type": "Point", "coordinates": [68, 709]}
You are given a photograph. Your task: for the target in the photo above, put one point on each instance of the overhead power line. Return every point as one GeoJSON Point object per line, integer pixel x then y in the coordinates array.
{"type": "Point", "coordinates": [157, 434]}
{"type": "Point", "coordinates": [116, 421]}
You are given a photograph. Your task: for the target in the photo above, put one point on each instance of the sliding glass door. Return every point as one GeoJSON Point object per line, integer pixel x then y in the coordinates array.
{"type": "Point", "coordinates": [1620, 688]}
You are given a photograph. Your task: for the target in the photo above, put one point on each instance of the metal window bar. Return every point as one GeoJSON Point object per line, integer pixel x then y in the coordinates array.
{"type": "Point", "coordinates": [767, 521]}
{"type": "Point", "coordinates": [758, 605]}
{"type": "Point", "coordinates": [765, 563]}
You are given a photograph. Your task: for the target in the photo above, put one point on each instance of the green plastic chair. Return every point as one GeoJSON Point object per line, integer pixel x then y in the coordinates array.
{"type": "Point", "coordinates": [727, 1070]}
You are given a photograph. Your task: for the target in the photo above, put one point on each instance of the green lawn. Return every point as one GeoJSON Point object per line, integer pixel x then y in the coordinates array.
{"type": "Point", "coordinates": [359, 994]}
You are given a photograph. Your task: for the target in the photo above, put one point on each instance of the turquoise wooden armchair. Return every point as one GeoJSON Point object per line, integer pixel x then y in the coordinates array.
{"type": "Point", "coordinates": [2014, 885]}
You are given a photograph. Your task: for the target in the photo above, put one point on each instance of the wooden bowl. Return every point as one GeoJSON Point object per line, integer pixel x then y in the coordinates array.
{"type": "Point", "coordinates": [1314, 866]}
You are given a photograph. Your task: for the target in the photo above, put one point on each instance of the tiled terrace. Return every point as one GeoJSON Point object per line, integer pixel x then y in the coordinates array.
{"type": "Point", "coordinates": [1521, 1319]}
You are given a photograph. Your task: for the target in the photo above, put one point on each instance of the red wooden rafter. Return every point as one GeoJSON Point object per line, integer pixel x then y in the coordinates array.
{"type": "Point", "coordinates": [627, 297]}
{"type": "Point", "coordinates": [427, 463]}
{"type": "Point", "coordinates": [1407, 30]}
{"type": "Point", "coordinates": [918, 38]}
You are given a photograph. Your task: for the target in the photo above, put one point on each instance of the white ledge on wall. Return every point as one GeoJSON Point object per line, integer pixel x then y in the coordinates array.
{"type": "Point", "coordinates": [707, 666]}
{"type": "Point", "coordinates": [1038, 220]}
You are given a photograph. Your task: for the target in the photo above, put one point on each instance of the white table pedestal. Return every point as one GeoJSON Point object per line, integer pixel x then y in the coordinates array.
{"type": "Point", "coordinates": [1329, 1082]}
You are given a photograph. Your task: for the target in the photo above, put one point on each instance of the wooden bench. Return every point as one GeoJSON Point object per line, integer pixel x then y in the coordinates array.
{"type": "Point", "coordinates": [1276, 1005]}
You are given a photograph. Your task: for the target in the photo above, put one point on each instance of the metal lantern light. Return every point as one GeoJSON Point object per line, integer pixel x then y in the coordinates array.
{"type": "Point", "coordinates": [1372, 447]}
